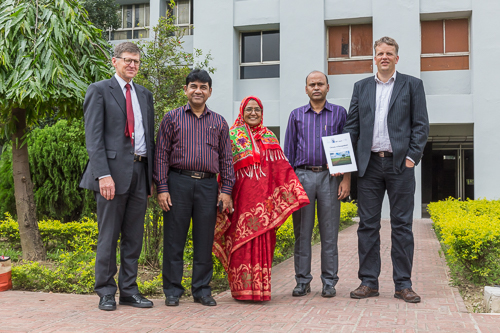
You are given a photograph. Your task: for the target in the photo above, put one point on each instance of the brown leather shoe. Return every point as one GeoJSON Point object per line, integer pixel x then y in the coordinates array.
{"type": "Point", "coordinates": [408, 295]}
{"type": "Point", "coordinates": [364, 292]}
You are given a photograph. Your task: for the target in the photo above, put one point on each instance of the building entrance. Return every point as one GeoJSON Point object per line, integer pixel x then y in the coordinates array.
{"type": "Point", "coordinates": [447, 171]}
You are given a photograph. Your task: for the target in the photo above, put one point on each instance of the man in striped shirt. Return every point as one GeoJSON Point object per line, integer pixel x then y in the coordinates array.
{"type": "Point", "coordinates": [304, 149]}
{"type": "Point", "coordinates": [192, 147]}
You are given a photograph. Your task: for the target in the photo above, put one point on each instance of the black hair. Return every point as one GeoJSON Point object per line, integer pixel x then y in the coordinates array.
{"type": "Point", "coordinates": [326, 77]}
{"type": "Point", "coordinates": [199, 75]}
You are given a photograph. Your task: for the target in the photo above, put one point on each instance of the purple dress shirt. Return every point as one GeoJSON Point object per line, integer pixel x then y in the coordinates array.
{"type": "Point", "coordinates": [303, 144]}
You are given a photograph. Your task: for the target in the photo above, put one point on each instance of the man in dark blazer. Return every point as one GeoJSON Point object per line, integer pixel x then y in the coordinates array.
{"type": "Point", "coordinates": [119, 133]}
{"type": "Point", "coordinates": [388, 123]}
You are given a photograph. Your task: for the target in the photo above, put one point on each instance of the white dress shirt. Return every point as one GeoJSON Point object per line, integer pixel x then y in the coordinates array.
{"type": "Point", "coordinates": [139, 137]}
{"type": "Point", "coordinates": [381, 141]}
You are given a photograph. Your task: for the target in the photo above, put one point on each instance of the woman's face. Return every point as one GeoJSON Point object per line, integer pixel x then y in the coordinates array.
{"type": "Point", "coordinates": [252, 114]}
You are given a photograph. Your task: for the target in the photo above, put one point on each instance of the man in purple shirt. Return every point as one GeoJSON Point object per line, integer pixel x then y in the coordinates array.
{"type": "Point", "coordinates": [304, 149]}
{"type": "Point", "coordinates": [191, 148]}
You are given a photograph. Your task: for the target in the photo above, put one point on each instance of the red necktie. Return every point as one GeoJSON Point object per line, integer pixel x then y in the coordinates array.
{"type": "Point", "coordinates": [129, 126]}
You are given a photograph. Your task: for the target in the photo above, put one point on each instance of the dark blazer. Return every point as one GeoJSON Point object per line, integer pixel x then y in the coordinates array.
{"type": "Point", "coordinates": [110, 151]}
{"type": "Point", "coordinates": [407, 120]}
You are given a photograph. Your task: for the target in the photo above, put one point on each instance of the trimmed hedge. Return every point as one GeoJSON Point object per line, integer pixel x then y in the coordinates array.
{"type": "Point", "coordinates": [72, 249]}
{"type": "Point", "coordinates": [470, 232]}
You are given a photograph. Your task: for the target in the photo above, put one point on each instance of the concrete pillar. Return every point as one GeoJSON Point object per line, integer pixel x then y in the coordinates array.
{"type": "Point", "coordinates": [485, 49]}
{"type": "Point", "coordinates": [214, 33]}
{"type": "Point", "coordinates": [405, 29]}
{"type": "Point", "coordinates": [302, 50]}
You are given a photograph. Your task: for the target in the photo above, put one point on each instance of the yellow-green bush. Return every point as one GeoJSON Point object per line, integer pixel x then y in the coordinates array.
{"type": "Point", "coordinates": [72, 249]}
{"type": "Point", "coordinates": [470, 230]}
{"type": "Point", "coordinates": [55, 234]}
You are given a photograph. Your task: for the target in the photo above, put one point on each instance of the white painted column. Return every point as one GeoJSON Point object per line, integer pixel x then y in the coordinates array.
{"type": "Point", "coordinates": [485, 51]}
{"type": "Point", "coordinates": [214, 33]}
{"type": "Point", "coordinates": [404, 27]}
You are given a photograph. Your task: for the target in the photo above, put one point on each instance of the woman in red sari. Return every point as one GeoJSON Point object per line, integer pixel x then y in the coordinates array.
{"type": "Point", "coordinates": [265, 194]}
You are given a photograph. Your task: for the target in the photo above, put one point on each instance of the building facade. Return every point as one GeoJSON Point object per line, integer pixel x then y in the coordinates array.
{"type": "Point", "coordinates": [267, 47]}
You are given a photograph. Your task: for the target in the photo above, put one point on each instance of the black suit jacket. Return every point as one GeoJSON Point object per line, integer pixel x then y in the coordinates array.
{"type": "Point", "coordinates": [110, 151]}
{"type": "Point", "coordinates": [407, 120]}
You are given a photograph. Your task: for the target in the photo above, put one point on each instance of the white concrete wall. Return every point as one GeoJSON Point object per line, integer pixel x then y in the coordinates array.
{"type": "Point", "coordinates": [453, 97]}
{"type": "Point", "coordinates": [214, 33]}
{"type": "Point", "coordinates": [486, 97]}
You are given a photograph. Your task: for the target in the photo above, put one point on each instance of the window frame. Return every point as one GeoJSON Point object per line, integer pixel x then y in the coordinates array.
{"type": "Point", "coordinates": [189, 26]}
{"type": "Point", "coordinates": [449, 54]}
{"type": "Point", "coordinates": [350, 57]}
{"type": "Point", "coordinates": [261, 63]}
{"type": "Point", "coordinates": [122, 8]}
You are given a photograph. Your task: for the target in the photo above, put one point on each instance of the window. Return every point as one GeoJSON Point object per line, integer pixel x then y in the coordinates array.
{"type": "Point", "coordinates": [183, 13]}
{"type": "Point", "coordinates": [350, 49]}
{"type": "Point", "coordinates": [445, 45]}
{"type": "Point", "coordinates": [260, 54]}
{"type": "Point", "coordinates": [135, 21]}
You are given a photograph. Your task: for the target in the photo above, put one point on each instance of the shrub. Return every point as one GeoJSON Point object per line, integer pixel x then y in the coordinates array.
{"type": "Point", "coordinates": [57, 159]}
{"type": "Point", "coordinates": [72, 236]}
{"type": "Point", "coordinates": [72, 245]}
{"type": "Point", "coordinates": [470, 231]}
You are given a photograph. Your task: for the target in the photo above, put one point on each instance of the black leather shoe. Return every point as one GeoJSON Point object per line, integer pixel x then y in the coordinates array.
{"type": "Point", "coordinates": [172, 301]}
{"type": "Point", "coordinates": [205, 300]}
{"type": "Point", "coordinates": [107, 303]}
{"type": "Point", "coordinates": [328, 291]}
{"type": "Point", "coordinates": [137, 301]}
{"type": "Point", "coordinates": [301, 289]}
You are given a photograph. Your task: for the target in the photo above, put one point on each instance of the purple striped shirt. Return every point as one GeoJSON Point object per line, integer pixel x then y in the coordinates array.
{"type": "Point", "coordinates": [303, 144]}
{"type": "Point", "coordinates": [187, 142]}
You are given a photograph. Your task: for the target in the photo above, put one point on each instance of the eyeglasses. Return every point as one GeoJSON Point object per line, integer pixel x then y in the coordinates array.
{"type": "Point", "coordinates": [128, 61]}
{"type": "Point", "coordinates": [251, 110]}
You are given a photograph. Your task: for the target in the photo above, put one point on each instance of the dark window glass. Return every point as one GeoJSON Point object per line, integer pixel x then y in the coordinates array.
{"type": "Point", "coordinates": [250, 47]}
{"type": "Point", "coordinates": [274, 129]}
{"type": "Point", "coordinates": [128, 16]}
{"type": "Point", "coordinates": [271, 46]}
{"type": "Point", "coordinates": [259, 72]}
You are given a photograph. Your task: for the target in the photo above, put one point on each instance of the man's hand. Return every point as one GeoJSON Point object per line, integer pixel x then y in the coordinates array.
{"type": "Point", "coordinates": [164, 201]}
{"type": "Point", "coordinates": [107, 187]}
{"type": "Point", "coordinates": [345, 187]}
{"type": "Point", "coordinates": [409, 164]}
{"type": "Point", "coordinates": [226, 202]}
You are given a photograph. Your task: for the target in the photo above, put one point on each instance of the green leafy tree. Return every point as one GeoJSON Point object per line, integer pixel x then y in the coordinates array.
{"type": "Point", "coordinates": [49, 54]}
{"type": "Point", "coordinates": [103, 14]}
{"type": "Point", "coordinates": [164, 67]}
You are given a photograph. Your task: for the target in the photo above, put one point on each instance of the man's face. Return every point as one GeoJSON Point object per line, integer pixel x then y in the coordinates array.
{"type": "Point", "coordinates": [126, 72]}
{"type": "Point", "coordinates": [386, 58]}
{"type": "Point", "coordinates": [197, 93]}
{"type": "Point", "coordinates": [316, 87]}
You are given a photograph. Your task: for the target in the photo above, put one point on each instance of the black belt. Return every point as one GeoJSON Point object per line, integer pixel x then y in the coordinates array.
{"type": "Point", "coordinates": [193, 174]}
{"type": "Point", "coordinates": [313, 168]}
{"type": "Point", "coordinates": [382, 153]}
{"type": "Point", "coordinates": [139, 158]}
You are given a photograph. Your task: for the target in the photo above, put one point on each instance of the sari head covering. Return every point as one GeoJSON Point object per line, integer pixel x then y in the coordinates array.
{"type": "Point", "coordinates": [246, 152]}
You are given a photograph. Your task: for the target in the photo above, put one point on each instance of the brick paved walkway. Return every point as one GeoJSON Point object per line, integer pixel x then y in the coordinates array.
{"type": "Point", "coordinates": [441, 310]}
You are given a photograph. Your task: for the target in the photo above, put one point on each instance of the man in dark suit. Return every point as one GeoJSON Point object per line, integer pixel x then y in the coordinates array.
{"type": "Point", "coordinates": [119, 133]}
{"type": "Point", "coordinates": [388, 122]}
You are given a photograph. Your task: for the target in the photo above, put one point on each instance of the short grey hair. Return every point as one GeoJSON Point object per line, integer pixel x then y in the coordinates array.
{"type": "Point", "coordinates": [387, 40]}
{"type": "Point", "coordinates": [126, 47]}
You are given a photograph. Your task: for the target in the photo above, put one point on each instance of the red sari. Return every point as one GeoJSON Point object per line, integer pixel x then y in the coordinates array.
{"type": "Point", "coordinates": [265, 194]}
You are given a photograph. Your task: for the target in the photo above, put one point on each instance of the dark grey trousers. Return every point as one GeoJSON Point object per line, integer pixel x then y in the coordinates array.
{"type": "Point", "coordinates": [193, 200]}
{"type": "Point", "coordinates": [378, 178]}
{"type": "Point", "coordinates": [321, 188]}
{"type": "Point", "coordinates": [123, 215]}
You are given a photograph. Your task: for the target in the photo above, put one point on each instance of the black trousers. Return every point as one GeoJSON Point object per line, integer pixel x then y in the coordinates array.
{"type": "Point", "coordinates": [378, 178]}
{"type": "Point", "coordinates": [193, 200]}
{"type": "Point", "coordinates": [123, 215]}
